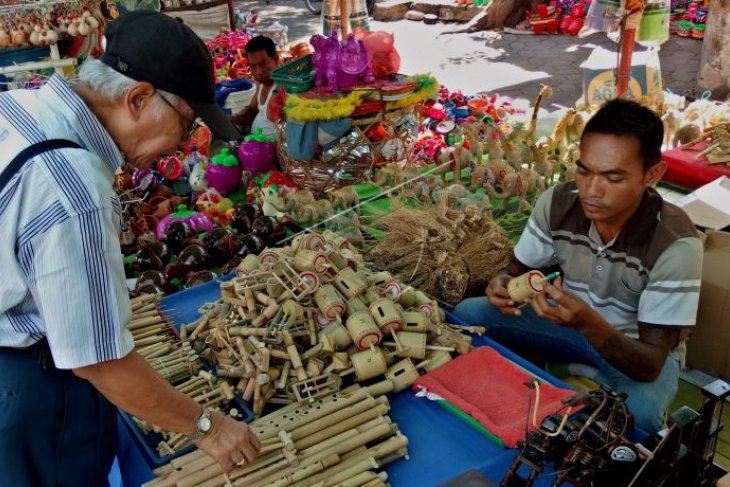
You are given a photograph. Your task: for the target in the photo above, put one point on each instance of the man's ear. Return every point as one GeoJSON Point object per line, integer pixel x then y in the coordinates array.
{"type": "Point", "coordinates": [654, 174]}
{"type": "Point", "coordinates": [138, 97]}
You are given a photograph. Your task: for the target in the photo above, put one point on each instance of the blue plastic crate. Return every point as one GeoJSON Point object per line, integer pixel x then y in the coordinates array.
{"type": "Point", "coordinates": [148, 442]}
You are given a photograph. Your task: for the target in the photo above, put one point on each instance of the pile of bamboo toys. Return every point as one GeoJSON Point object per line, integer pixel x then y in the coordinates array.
{"type": "Point", "coordinates": [336, 440]}
{"type": "Point", "coordinates": [299, 320]}
{"type": "Point", "coordinates": [717, 150]}
{"type": "Point", "coordinates": [157, 343]}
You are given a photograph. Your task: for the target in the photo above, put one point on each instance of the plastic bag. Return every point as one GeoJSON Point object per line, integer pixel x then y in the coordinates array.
{"type": "Point", "coordinates": [383, 57]}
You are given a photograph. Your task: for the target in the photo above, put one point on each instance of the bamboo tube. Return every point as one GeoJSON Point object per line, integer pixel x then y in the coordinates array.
{"type": "Point", "coordinates": [375, 483]}
{"type": "Point", "coordinates": [363, 478]}
{"type": "Point", "coordinates": [195, 478]}
{"type": "Point", "coordinates": [307, 471]}
{"type": "Point", "coordinates": [343, 426]}
{"type": "Point", "coordinates": [381, 450]}
{"type": "Point", "coordinates": [141, 322]}
{"type": "Point", "coordinates": [145, 308]}
{"type": "Point", "coordinates": [360, 467]}
{"type": "Point", "coordinates": [302, 432]}
{"type": "Point", "coordinates": [352, 438]}
{"type": "Point", "coordinates": [281, 383]}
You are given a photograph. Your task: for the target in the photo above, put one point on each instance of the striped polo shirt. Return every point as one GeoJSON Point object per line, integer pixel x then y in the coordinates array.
{"type": "Point", "coordinates": [61, 272]}
{"type": "Point", "coordinates": [650, 273]}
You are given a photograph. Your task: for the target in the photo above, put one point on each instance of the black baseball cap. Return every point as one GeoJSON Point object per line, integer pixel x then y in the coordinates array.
{"type": "Point", "coordinates": [150, 46]}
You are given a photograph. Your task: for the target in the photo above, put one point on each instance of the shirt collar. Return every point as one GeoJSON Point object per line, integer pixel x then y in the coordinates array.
{"type": "Point", "coordinates": [91, 132]}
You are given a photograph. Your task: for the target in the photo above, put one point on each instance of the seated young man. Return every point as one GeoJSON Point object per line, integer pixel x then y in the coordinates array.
{"type": "Point", "coordinates": [262, 60]}
{"type": "Point", "coordinates": [630, 263]}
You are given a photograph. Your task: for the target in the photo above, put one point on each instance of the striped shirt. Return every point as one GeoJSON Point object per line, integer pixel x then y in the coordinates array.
{"type": "Point", "coordinates": [61, 272]}
{"type": "Point", "coordinates": [650, 273]}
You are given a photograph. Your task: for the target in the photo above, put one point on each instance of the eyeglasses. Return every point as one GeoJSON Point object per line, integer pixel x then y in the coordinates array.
{"type": "Point", "coordinates": [189, 125]}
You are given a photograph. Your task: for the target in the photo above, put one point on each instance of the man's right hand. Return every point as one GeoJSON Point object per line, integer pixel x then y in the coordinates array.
{"type": "Point", "coordinates": [230, 442]}
{"type": "Point", "coordinates": [499, 297]}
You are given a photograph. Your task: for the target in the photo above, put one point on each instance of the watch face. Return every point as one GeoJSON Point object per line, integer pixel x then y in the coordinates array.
{"type": "Point", "coordinates": [204, 424]}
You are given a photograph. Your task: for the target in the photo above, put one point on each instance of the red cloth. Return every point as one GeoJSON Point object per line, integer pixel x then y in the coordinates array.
{"type": "Point", "coordinates": [492, 390]}
{"type": "Point", "coordinates": [685, 170]}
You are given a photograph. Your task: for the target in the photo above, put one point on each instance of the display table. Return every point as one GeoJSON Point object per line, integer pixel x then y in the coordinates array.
{"type": "Point", "coordinates": [441, 446]}
{"type": "Point", "coordinates": [683, 169]}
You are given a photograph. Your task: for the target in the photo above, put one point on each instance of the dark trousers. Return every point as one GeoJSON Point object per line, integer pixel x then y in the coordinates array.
{"type": "Point", "coordinates": [55, 428]}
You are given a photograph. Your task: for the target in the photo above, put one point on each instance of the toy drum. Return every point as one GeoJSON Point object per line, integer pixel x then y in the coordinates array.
{"type": "Point", "coordinates": [436, 358]}
{"type": "Point", "coordinates": [380, 278]}
{"type": "Point", "coordinates": [271, 256]}
{"type": "Point", "coordinates": [368, 364]}
{"type": "Point", "coordinates": [372, 295]}
{"type": "Point", "coordinates": [403, 374]}
{"type": "Point", "coordinates": [407, 298]}
{"type": "Point", "coordinates": [312, 241]}
{"type": "Point", "coordinates": [415, 320]}
{"type": "Point", "coordinates": [249, 264]}
{"type": "Point", "coordinates": [274, 287]}
{"type": "Point", "coordinates": [392, 291]}
{"type": "Point", "coordinates": [349, 283]}
{"type": "Point", "coordinates": [311, 260]}
{"type": "Point", "coordinates": [526, 286]}
{"type": "Point", "coordinates": [355, 305]}
{"type": "Point", "coordinates": [386, 315]}
{"type": "Point", "coordinates": [338, 332]}
{"type": "Point", "coordinates": [339, 241]}
{"type": "Point", "coordinates": [329, 301]}
{"type": "Point", "coordinates": [413, 344]}
{"type": "Point", "coordinates": [363, 330]}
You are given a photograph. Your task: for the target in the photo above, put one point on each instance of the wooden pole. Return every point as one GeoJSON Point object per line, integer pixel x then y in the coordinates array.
{"type": "Point", "coordinates": [344, 19]}
{"type": "Point", "coordinates": [231, 16]}
{"type": "Point", "coordinates": [629, 27]}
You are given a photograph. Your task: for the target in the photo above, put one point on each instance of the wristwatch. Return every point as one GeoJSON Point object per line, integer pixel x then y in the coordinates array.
{"type": "Point", "coordinates": [203, 425]}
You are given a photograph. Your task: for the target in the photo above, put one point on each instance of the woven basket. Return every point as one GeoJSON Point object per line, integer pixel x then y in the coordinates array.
{"type": "Point", "coordinates": [359, 156]}
{"type": "Point", "coordinates": [239, 100]}
{"type": "Point", "coordinates": [296, 76]}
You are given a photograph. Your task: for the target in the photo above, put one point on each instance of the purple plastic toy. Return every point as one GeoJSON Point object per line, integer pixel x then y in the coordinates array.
{"type": "Point", "coordinates": [193, 219]}
{"type": "Point", "coordinates": [145, 180]}
{"type": "Point", "coordinates": [224, 173]}
{"type": "Point", "coordinates": [257, 152]}
{"type": "Point", "coordinates": [340, 65]}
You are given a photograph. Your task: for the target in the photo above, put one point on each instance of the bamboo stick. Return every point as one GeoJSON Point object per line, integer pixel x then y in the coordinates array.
{"type": "Point", "coordinates": [360, 467]}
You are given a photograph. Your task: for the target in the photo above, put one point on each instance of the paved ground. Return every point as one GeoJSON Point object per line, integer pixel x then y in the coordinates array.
{"type": "Point", "coordinates": [494, 62]}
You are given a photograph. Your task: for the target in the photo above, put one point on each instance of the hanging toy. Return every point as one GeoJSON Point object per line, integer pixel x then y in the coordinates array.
{"type": "Point", "coordinates": [257, 152]}
{"type": "Point", "coordinates": [224, 172]}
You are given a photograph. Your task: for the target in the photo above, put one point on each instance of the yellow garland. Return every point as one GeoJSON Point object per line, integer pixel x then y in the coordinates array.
{"type": "Point", "coordinates": [302, 109]}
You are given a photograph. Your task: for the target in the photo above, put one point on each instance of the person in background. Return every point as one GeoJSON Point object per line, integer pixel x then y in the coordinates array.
{"type": "Point", "coordinates": [630, 262]}
{"type": "Point", "coordinates": [262, 60]}
{"type": "Point", "coordinates": [67, 359]}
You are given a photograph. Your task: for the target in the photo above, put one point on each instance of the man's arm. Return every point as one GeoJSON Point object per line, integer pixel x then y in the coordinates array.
{"type": "Point", "coordinates": [132, 385]}
{"type": "Point", "coordinates": [247, 116]}
{"type": "Point", "coordinates": [640, 359]}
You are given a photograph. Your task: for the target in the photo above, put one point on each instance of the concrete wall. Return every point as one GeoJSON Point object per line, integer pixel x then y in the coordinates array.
{"type": "Point", "coordinates": [714, 72]}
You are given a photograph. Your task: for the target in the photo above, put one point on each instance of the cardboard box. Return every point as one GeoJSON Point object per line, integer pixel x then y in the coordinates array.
{"type": "Point", "coordinates": [708, 349]}
{"type": "Point", "coordinates": [709, 205]}
{"type": "Point", "coordinates": [599, 77]}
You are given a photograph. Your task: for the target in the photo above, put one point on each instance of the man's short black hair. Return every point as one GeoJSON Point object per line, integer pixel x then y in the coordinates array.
{"type": "Point", "coordinates": [625, 117]}
{"type": "Point", "coordinates": [261, 43]}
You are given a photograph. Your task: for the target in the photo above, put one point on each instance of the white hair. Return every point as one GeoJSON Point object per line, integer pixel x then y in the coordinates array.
{"type": "Point", "coordinates": [112, 84]}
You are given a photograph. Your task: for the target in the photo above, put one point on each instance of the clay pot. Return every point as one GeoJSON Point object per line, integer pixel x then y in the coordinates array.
{"type": "Point", "coordinates": [194, 256]}
{"type": "Point", "coordinates": [269, 228]}
{"type": "Point", "coordinates": [231, 265]}
{"type": "Point", "coordinates": [176, 233]}
{"type": "Point", "coordinates": [221, 243]}
{"type": "Point", "coordinates": [251, 244]}
{"type": "Point", "coordinates": [243, 217]}
{"type": "Point", "coordinates": [152, 278]}
{"type": "Point", "coordinates": [200, 277]}
{"type": "Point", "coordinates": [152, 256]}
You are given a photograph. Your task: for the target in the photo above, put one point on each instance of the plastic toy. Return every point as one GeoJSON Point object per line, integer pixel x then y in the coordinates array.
{"type": "Point", "coordinates": [257, 152]}
{"type": "Point", "coordinates": [224, 172]}
{"type": "Point", "coordinates": [193, 219]}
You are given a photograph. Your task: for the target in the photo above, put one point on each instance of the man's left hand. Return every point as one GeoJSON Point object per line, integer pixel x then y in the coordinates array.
{"type": "Point", "coordinates": [566, 308]}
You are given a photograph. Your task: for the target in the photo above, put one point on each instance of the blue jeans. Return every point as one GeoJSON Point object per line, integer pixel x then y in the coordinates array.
{"type": "Point", "coordinates": [530, 333]}
{"type": "Point", "coordinates": [56, 430]}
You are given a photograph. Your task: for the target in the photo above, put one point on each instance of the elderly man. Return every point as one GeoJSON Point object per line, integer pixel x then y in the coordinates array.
{"type": "Point", "coordinates": [66, 357]}
{"type": "Point", "coordinates": [262, 60]}
{"type": "Point", "coordinates": [631, 264]}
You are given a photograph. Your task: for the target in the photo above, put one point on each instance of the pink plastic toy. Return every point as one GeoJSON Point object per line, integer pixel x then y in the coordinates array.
{"type": "Point", "coordinates": [257, 152]}
{"type": "Point", "coordinates": [223, 173]}
{"type": "Point", "coordinates": [194, 220]}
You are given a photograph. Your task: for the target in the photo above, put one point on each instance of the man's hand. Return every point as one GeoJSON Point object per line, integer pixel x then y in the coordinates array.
{"type": "Point", "coordinates": [568, 310]}
{"type": "Point", "coordinates": [499, 297]}
{"type": "Point", "coordinates": [229, 442]}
